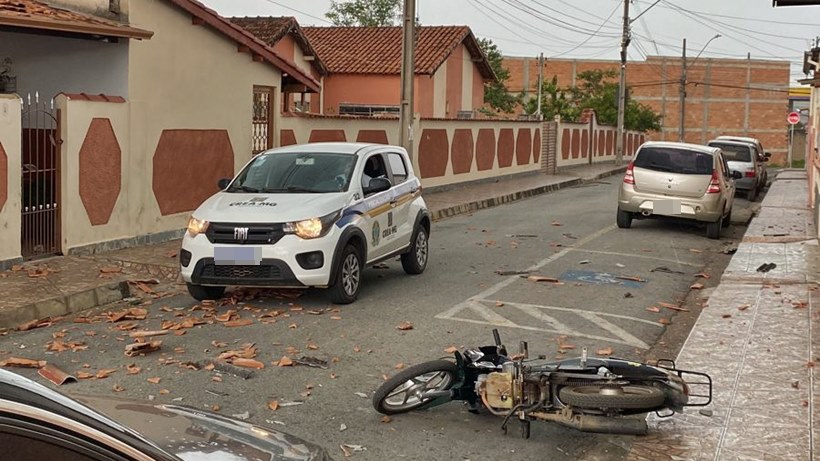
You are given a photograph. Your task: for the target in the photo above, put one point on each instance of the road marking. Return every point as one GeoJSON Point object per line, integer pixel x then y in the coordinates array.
{"type": "Point", "coordinates": [630, 255]}
{"type": "Point", "coordinates": [489, 316]}
{"type": "Point", "coordinates": [489, 292]}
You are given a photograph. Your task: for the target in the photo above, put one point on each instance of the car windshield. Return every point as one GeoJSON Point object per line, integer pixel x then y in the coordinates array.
{"type": "Point", "coordinates": [734, 152]}
{"type": "Point", "coordinates": [674, 160]}
{"type": "Point", "coordinates": [296, 172]}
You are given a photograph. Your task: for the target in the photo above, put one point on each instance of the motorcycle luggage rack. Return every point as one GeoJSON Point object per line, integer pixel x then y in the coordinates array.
{"type": "Point", "coordinates": [699, 381]}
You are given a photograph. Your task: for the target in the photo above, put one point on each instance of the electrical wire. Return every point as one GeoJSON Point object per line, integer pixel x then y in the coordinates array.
{"type": "Point", "coordinates": [593, 34]}
{"type": "Point", "coordinates": [300, 12]}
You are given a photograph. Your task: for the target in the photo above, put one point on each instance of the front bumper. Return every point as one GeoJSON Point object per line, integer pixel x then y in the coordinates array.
{"type": "Point", "coordinates": [278, 267]}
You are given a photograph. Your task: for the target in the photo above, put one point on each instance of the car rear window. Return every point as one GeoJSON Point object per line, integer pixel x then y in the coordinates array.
{"type": "Point", "coordinates": [673, 160]}
{"type": "Point", "coordinates": [733, 152]}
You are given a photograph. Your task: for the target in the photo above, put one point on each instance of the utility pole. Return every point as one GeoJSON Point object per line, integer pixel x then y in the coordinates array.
{"type": "Point", "coordinates": [681, 123]}
{"type": "Point", "coordinates": [407, 75]}
{"type": "Point", "coordinates": [540, 83]}
{"type": "Point", "coordinates": [619, 136]}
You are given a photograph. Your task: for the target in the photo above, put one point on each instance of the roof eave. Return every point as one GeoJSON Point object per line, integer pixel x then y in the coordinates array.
{"type": "Point", "coordinates": [74, 27]}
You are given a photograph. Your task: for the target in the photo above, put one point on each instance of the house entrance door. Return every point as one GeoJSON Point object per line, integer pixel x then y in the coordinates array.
{"type": "Point", "coordinates": [40, 234]}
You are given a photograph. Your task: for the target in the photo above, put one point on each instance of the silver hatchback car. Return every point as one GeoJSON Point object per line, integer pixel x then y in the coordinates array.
{"type": "Point", "coordinates": [743, 157]}
{"type": "Point", "coordinates": [679, 180]}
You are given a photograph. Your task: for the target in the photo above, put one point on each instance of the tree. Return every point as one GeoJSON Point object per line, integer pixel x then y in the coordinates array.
{"type": "Point", "coordinates": [495, 93]}
{"type": "Point", "coordinates": [598, 90]}
{"type": "Point", "coordinates": [366, 13]}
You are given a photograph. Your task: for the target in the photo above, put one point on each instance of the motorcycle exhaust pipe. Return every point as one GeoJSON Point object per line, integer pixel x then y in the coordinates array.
{"type": "Point", "coordinates": [646, 213]}
{"type": "Point", "coordinates": [593, 423]}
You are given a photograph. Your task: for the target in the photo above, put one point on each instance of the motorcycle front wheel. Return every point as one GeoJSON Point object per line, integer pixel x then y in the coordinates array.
{"type": "Point", "coordinates": [402, 392]}
{"type": "Point", "coordinates": [626, 397]}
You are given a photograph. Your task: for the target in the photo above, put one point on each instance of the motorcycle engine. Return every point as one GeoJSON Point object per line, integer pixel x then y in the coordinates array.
{"type": "Point", "coordinates": [499, 390]}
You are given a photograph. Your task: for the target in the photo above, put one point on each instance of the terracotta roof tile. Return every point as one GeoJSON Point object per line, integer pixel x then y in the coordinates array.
{"type": "Point", "coordinates": [39, 15]}
{"type": "Point", "coordinates": [272, 29]}
{"type": "Point", "coordinates": [377, 50]}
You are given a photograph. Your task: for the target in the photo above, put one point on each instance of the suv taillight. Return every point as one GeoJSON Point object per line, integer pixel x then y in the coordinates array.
{"type": "Point", "coordinates": [629, 178]}
{"type": "Point", "coordinates": [750, 174]}
{"type": "Point", "coordinates": [714, 184]}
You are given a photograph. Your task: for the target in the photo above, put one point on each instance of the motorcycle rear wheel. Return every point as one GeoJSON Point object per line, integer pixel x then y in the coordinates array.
{"type": "Point", "coordinates": [626, 397]}
{"type": "Point", "coordinates": [399, 394]}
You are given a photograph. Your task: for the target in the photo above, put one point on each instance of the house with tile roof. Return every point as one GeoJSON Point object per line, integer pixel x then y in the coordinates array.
{"type": "Point", "coordinates": [132, 111]}
{"type": "Point", "coordinates": [364, 65]}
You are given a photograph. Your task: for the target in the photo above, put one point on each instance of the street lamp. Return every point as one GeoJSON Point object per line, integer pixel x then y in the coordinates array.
{"type": "Point", "coordinates": [681, 123]}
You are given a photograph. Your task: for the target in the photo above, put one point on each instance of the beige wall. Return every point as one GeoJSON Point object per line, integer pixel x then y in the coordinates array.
{"type": "Point", "coordinates": [440, 92]}
{"type": "Point", "coordinates": [185, 77]}
{"type": "Point", "coordinates": [75, 120]}
{"type": "Point", "coordinates": [469, 68]}
{"type": "Point", "coordinates": [11, 139]}
{"type": "Point", "coordinates": [303, 126]}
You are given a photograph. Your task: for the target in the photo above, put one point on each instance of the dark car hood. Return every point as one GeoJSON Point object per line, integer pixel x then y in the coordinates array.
{"type": "Point", "coordinates": [191, 434]}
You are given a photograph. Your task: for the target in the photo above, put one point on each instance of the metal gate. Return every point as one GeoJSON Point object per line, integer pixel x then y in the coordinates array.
{"type": "Point", "coordinates": [40, 234]}
{"type": "Point", "coordinates": [262, 137]}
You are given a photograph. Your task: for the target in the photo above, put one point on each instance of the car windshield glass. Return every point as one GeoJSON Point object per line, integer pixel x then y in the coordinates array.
{"type": "Point", "coordinates": [674, 160]}
{"type": "Point", "coordinates": [734, 152]}
{"type": "Point", "coordinates": [296, 172]}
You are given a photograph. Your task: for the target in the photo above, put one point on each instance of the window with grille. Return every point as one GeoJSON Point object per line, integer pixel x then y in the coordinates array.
{"type": "Point", "coordinates": [262, 137]}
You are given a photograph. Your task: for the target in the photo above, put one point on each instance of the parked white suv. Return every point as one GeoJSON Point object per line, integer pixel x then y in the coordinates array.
{"type": "Point", "coordinates": [311, 215]}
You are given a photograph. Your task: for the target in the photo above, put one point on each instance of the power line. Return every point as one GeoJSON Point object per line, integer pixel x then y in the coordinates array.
{"type": "Point", "coordinates": [617, 7]}
{"type": "Point", "coordinates": [767, 21]}
{"type": "Point", "coordinates": [298, 11]}
{"type": "Point", "coordinates": [552, 21]}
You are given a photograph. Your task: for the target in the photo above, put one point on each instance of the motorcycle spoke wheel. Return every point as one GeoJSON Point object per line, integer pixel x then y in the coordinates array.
{"type": "Point", "coordinates": [613, 397]}
{"type": "Point", "coordinates": [403, 392]}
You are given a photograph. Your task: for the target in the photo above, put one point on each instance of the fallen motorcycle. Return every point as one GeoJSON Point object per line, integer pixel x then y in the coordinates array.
{"type": "Point", "coordinates": [589, 394]}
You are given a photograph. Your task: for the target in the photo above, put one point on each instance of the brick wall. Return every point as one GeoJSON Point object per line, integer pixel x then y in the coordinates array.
{"type": "Point", "coordinates": [724, 96]}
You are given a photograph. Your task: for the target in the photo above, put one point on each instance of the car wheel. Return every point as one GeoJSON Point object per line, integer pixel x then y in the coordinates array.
{"type": "Point", "coordinates": [727, 220]}
{"type": "Point", "coordinates": [345, 288]}
{"type": "Point", "coordinates": [713, 229]}
{"type": "Point", "coordinates": [624, 219]}
{"type": "Point", "coordinates": [751, 194]}
{"type": "Point", "coordinates": [203, 293]}
{"type": "Point", "coordinates": [415, 260]}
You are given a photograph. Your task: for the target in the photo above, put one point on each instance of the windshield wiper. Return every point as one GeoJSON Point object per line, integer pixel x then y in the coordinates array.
{"type": "Point", "coordinates": [292, 189]}
{"type": "Point", "coordinates": [244, 189]}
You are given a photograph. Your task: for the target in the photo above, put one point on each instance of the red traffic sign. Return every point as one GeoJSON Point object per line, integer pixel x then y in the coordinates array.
{"type": "Point", "coordinates": [793, 118]}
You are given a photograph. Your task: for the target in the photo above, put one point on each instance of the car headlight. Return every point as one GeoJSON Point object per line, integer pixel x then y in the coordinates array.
{"type": "Point", "coordinates": [314, 227]}
{"type": "Point", "coordinates": [197, 226]}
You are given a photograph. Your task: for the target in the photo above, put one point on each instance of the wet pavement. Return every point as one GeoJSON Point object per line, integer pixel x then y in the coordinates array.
{"type": "Point", "coordinates": [759, 339]}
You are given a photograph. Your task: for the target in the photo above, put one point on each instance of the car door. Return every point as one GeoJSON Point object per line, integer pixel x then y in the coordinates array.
{"type": "Point", "coordinates": [728, 182]}
{"type": "Point", "coordinates": [376, 206]}
{"type": "Point", "coordinates": [399, 220]}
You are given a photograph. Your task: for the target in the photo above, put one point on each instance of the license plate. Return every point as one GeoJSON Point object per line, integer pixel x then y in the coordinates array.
{"type": "Point", "coordinates": [666, 206]}
{"type": "Point", "coordinates": [238, 256]}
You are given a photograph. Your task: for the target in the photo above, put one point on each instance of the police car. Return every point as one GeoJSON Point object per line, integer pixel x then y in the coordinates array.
{"type": "Point", "coordinates": [310, 215]}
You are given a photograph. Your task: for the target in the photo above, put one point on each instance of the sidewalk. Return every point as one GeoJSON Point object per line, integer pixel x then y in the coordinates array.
{"type": "Point", "coordinates": [69, 284]}
{"type": "Point", "coordinates": [759, 339]}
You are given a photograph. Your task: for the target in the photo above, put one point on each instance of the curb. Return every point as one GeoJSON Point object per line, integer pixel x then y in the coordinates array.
{"type": "Point", "coordinates": [67, 304]}
{"type": "Point", "coordinates": [476, 205]}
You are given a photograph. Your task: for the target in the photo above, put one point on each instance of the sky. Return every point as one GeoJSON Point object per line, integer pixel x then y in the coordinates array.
{"type": "Point", "coordinates": [591, 29]}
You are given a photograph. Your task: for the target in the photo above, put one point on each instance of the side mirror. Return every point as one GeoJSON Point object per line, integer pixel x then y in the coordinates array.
{"type": "Point", "coordinates": [736, 174]}
{"type": "Point", "coordinates": [767, 154]}
{"type": "Point", "coordinates": [377, 185]}
{"type": "Point", "coordinates": [223, 183]}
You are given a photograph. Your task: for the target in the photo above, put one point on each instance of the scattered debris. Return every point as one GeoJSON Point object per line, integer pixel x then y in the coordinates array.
{"type": "Point", "coordinates": [628, 295]}
{"type": "Point", "coordinates": [674, 307]}
{"type": "Point", "coordinates": [146, 334]}
{"type": "Point", "coordinates": [504, 273]}
{"type": "Point", "coordinates": [386, 419]}
{"type": "Point", "coordinates": [230, 369]}
{"type": "Point", "coordinates": [744, 307]}
{"type": "Point", "coordinates": [630, 278]}
{"type": "Point", "coordinates": [154, 380]}
{"type": "Point", "coordinates": [135, 313]}
{"type": "Point", "coordinates": [584, 261]}
{"type": "Point", "coordinates": [40, 323]}
{"type": "Point", "coordinates": [796, 384]}
{"type": "Point", "coordinates": [570, 236]}
{"type": "Point", "coordinates": [405, 325]}
{"type": "Point", "coordinates": [800, 304]}
{"type": "Point", "coordinates": [695, 250]}
{"type": "Point", "coordinates": [665, 322]}
{"type": "Point", "coordinates": [22, 363]}
{"type": "Point", "coordinates": [499, 304]}
{"type": "Point", "coordinates": [247, 363]}
{"type": "Point", "coordinates": [310, 362]}
{"type": "Point", "coordinates": [542, 278]}
{"type": "Point", "coordinates": [451, 350]}
{"type": "Point", "coordinates": [606, 351]}
{"type": "Point", "coordinates": [381, 266]}
{"type": "Point", "coordinates": [766, 267]}
{"type": "Point", "coordinates": [361, 394]}
{"type": "Point", "coordinates": [696, 286]}
{"type": "Point", "coordinates": [667, 270]}
{"type": "Point", "coordinates": [273, 405]}
{"type": "Point", "coordinates": [556, 224]}
{"type": "Point", "coordinates": [342, 427]}
{"type": "Point", "coordinates": [653, 309]}
{"type": "Point", "coordinates": [706, 412]}
{"type": "Point", "coordinates": [349, 449]}
{"type": "Point", "coordinates": [135, 349]}
{"type": "Point", "coordinates": [105, 372]}
{"type": "Point", "coordinates": [729, 251]}
{"type": "Point", "coordinates": [727, 316]}
{"type": "Point", "coordinates": [703, 275]}
{"type": "Point", "coordinates": [55, 375]}
{"type": "Point", "coordinates": [242, 416]}
{"type": "Point", "coordinates": [285, 361]}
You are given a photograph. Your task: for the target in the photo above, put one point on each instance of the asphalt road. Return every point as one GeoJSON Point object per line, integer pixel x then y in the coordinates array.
{"type": "Point", "coordinates": [568, 235]}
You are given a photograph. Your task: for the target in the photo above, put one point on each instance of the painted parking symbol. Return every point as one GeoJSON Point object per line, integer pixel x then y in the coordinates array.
{"type": "Point", "coordinates": [598, 278]}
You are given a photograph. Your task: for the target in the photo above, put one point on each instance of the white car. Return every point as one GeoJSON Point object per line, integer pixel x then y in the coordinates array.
{"type": "Point", "coordinates": [311, 215]}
